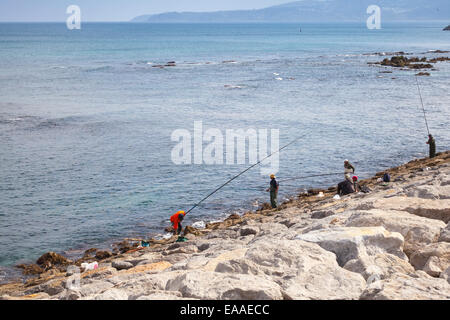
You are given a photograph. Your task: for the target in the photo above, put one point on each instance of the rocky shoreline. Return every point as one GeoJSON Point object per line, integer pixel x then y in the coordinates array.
{"type": "Point", "coordinates": [391, 243]}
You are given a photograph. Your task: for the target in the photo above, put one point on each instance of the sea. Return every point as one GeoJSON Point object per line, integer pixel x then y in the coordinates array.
{"type": "Point", "coordinates": [87, 120]}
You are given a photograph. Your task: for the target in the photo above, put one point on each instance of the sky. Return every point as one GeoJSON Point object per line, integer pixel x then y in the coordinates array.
{"type": "Point", "coordinates": [116, 10]}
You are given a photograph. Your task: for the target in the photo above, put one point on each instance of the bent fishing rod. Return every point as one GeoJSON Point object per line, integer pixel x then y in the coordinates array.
{"type": "Point", "coordinates": [241, 173]}
{"type": "Point", "coordinates": [423, 108]}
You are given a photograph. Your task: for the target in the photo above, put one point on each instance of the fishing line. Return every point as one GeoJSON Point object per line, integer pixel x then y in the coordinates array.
{"type": "Point", "coordinates": [423, 108]}
{"type": "Point", "coordinates": [241, 173]}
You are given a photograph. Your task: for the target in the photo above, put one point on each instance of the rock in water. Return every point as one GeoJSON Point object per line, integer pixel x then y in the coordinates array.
{"type": "Point", "coordinates": [51, 259]}
{"type": "Point", "coordinates": [447, 28]}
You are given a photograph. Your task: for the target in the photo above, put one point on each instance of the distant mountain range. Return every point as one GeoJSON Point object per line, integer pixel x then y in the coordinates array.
{"type": "Point", "coordinates": [315, 11]}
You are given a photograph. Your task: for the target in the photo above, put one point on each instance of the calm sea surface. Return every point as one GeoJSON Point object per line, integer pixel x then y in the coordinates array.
{"type": "Point", "coordinates": [86, 121]}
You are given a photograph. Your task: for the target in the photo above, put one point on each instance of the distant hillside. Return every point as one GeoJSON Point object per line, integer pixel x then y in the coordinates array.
{"type": "Point", "coordinates": [316, 11]}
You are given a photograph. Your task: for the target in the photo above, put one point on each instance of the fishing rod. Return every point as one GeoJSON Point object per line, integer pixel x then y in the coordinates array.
{"type": "Point", "coordinates": [317, 175]}
{"type": "Point", "coordinates": [241, 173]}
{"type": "Point", "coordinates": [423, 108]}
{"type": "Point", "coordinates": [312, 176]}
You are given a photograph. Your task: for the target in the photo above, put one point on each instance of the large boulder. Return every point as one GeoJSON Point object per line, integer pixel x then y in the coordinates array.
{"type": "Point", "coordinates": [445, 234]}
{"type": "Point", "coordinates": [379, 266]}
{"type": "Point", "coordinates": [351, 242]}
{"type": "Point", "coordinates": [304, 270]}
{"type": "Point", "coordinates": [433, 258]}
{"type": "Point", "coordinates": [112, 294]}
{"type": "Point", "coordinates": [222, 286]}
{"type": "Point", "coordinates": [433, 191]}
{"type": "Point", "coordinates": [417, 231]}
{"type": "Point", "coordinates": [405, 287]}
{"type": "Point", "coordinates": [433, 209]}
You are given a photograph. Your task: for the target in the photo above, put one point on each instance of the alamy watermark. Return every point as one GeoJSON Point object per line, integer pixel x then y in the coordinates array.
{"type": "Point", "coordinates": [374, 21]}
{"type": "Point", "coordinates": [229, 148]}
{"type": "Point", "coordinates": [74, 20]}
{"type": "Point", "coordinates": [73, 281]}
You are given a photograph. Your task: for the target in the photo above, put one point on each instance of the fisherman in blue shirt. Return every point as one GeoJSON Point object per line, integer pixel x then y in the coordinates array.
{"type": "Point", "coordinates": [273, 191]}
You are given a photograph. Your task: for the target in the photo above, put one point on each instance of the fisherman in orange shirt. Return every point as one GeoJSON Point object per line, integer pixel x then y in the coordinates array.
{"type": "Point", "coordinates": [176, 221]}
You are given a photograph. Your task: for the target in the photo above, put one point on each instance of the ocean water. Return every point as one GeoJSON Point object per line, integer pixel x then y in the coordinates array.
{"type": "Point", "coordinates": [86, 121]}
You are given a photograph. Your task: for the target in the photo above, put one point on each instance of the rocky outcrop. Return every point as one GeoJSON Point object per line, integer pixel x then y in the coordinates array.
{"type": "Point", "coordinates": [447, 28]}
{"type": "Point", "coordinates": [404, 287]}
{"type": "Point", "coordinates": [392, 243]}
{"type": "Point", "coordinates": [445, 234]}
{"type": "Point", "coordinates": [417, 231]}
{"type": "Point", "coordinates": [350, 243]}
{"type": "Point", "coordinates": [432, 209]}
{"type": "Point", "coordinates": [303, 270]}
{"type": "Point", "coordinates": [219, 286]}
{"type": "Point", "coordinates": [433, 258]}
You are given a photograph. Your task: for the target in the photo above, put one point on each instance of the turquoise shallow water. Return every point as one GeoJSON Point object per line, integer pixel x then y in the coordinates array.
{"type": "Point", "coordinates": [86, 121]}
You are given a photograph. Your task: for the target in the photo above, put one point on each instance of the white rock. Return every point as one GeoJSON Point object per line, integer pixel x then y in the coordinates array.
{"type": "Point", "coordinates": [222, 286]}
{"type": "Point", "coordinates": [404, 287]}
{"type": "Point", "coordinates": [446, 275]}
{"type": "Point", "coordinates": [430, 192]}
{"type": "Point", "coordinates": [379, 266]}
{"type": "Point", "coordinates": [417, 231]}
{"type": "Point", "coordinates": [351, 242]}
{"type": "Point", "coordinates": [433, 209]}
{"type": "Point", "coordinates": [445, 234]}
{"type": "Point", "coordinates": [433, 258]}
{"type": "Point", "coordinates": [304, 270]}
{"type": "Point", "coordinates": [112, 294]}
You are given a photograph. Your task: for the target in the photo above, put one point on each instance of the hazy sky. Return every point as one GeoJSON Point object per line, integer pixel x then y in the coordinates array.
{"type": "Point", "coordinates": [116, 10]}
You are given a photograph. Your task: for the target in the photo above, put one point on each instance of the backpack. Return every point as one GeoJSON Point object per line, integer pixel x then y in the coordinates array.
{"type": "Point", "coordinates": [386, 177]}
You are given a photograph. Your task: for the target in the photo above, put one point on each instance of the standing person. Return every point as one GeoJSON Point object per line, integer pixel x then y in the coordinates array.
{"type": "Point", "coordinates": [176, 220]}
{"type": "Point", "coordinates": [273, 191]}
{"type": "Point", "coordinates": [348, 167]}
{"type": "Point", "coordinates": [432, 144]}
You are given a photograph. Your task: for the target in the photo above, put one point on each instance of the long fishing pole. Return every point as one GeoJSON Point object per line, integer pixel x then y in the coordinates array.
{"type": "Point", "coordinates": [317, 175]}
{"type": "Point", "coordinates": [423, 108]}
{"type": "Point", "coordinates": [312, 176]}
{"type": "Point", "coordinates": [241, 173]}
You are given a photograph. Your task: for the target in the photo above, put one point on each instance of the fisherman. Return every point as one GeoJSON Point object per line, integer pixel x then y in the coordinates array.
{"type": "Point", "coordinates": [273, 191]}
{"type": "Point", "coordinates": [345, 187]}
{"type": "Point", "coordinates": [432, 144]}
{"type": "Point", "coordinates": [356, 185]}
{"type": "Point", "coordinates": [176, 220]}
{"type": "Point", "coordinates": [348, 167]}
